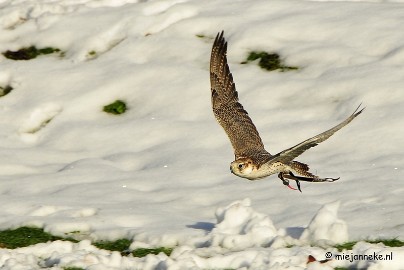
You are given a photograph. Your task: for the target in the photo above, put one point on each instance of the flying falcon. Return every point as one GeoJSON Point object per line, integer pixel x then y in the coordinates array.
{"type": "Point", "coordinates": [252, 161]}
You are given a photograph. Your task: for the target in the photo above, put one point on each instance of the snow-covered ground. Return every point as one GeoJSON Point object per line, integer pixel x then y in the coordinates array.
{"type": "Point", "coordinates": [159, 173]}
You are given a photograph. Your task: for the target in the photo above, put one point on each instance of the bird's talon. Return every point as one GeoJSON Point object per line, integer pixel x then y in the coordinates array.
{"type": "Point", "coordinates": [298, 185]}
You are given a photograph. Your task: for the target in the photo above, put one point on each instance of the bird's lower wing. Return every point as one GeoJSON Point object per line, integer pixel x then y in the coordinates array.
{"type": "Point", "coordinates": [240, 129]}
{"type": "Point", "coordinates": [295, 151]}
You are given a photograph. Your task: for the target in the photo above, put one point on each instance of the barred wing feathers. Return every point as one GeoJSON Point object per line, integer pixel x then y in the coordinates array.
{"type": "Point", "coordinates": [230, 114]}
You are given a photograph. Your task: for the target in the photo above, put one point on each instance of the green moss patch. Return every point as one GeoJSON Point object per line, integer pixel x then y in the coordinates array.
{"type": "Point", "coordinates": [5, 90]}
{"type": "Point", "coordinates": [394, 242]}
{"type": "Point", "coordinates": [26, 236]}
{"type": "Point", "coordinates": [346, 246]}
{"type": "Point", "coordinates": [117, 107]}
{"type": "Point", "coordinates": [141, 252]}
{"type": "Point", "coordinates": [91, 55]}
{"type": "Point", "coordinates": [388, 242]}
{"type": "Point", "coordinates": [268, 61]}
{"type": "Point", "coordinates": [121, 245]}
{"type": "Point", "coordinates": [28, 53]}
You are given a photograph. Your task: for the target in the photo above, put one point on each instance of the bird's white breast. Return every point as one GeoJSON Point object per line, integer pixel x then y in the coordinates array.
{"type": "Point", "coordinates": [265, 170]}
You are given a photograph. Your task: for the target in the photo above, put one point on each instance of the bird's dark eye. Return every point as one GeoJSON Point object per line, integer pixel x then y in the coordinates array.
{"type": "Point", "coordinates": [240, 166]}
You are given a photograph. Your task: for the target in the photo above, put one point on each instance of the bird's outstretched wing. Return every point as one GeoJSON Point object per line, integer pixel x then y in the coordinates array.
{"type": "Point", "coordinates": [290, 154]}
{"type": "Point", "coordinates": [228, 111]}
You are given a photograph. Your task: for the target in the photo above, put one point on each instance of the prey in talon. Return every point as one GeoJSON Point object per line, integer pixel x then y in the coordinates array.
{"type": "Point", "coordinates": [252, 161]}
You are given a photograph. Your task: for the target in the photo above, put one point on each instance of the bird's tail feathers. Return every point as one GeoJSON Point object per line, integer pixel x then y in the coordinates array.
{"type": "Point", "coordinates": [301, 168]}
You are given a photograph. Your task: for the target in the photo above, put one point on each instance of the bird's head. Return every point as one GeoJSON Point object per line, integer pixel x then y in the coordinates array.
{"type": "Point", "coordinates": [242, 167]}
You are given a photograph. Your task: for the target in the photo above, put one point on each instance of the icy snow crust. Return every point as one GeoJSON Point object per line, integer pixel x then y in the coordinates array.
{"type": "Point", "coordinates": [159, 172]}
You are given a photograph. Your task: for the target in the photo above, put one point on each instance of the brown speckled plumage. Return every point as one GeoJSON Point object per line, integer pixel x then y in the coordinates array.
{"type": "Point", "coordinates": [252, 161]}
{"type": "Point", "coordinates": [228, 111]}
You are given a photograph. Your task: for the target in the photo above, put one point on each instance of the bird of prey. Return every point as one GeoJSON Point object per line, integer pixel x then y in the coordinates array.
{"type": "Point", "coordinates": [252, 161]}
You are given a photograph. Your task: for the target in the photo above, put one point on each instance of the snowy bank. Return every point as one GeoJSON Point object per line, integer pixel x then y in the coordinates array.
{"type": "Point", "coordinates": [242, 238]}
